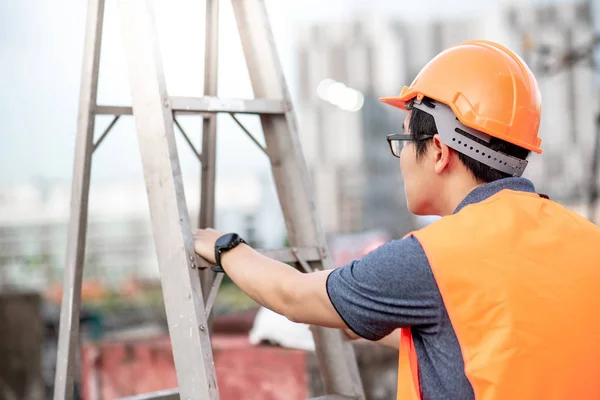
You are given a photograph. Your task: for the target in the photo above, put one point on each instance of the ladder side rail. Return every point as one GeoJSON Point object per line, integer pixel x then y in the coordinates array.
{"type": "Point", "coordinates": [209, 132]}
{"type": "Point", "coordinates": [192, 351]}
{"type": "Point", "coordinates": [68, 337]}
{"type": "Point", "coordinates": [335, 354]}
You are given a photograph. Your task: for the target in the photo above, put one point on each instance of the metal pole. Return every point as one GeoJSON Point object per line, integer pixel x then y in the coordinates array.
{"type": "Point", "coordinates": [247, 132]}
{"type": "Point", "coordinates": [106, 132]}
{"type": "Point", "coordinates": [336, 356]}
{"type": "Point", "coordinates": [177, 261]}
{"type": "Point", "coordinates": [68, 337]}
{"type": "Point", "coordinates": [187, 139]}
{"type": "Point", "coordinates": [209, 132]}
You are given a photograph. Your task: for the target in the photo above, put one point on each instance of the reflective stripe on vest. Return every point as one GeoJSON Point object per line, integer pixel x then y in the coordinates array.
{"type": "Point", "coordinates": [520, 279]}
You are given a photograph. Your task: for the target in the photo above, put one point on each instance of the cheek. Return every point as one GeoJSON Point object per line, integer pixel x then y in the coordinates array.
{"type": "Point", "coordinates": [407, 168]}
{"type": "Point", "coordinates": [404, 156]}
{"type": "Point", "coordinates": [415, 187]}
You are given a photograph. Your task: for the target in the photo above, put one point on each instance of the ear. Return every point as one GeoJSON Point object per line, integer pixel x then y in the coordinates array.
{"type": "Point", "coordinates": [441, 155]}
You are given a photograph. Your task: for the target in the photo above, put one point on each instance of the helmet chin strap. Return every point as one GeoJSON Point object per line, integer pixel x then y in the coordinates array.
{"type": "Point", "coordinates": [449, 129]}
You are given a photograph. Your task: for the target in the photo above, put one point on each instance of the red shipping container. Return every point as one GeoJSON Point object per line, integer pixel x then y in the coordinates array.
{"type": "Point", "coordinates": [116, 369]}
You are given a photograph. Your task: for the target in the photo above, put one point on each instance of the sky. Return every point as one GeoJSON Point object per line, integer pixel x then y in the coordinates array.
{"type": "Point", "coordinates": [41, 48]}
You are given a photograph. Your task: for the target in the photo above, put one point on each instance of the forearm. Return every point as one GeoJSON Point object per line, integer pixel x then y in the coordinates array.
{"type": "Point", "coordinates": [298, 296]}
{"type": "Point", "coordinates": [265, 280]}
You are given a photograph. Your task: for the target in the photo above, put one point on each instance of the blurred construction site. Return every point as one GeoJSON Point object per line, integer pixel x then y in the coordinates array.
{"type": "Point", "coordinates": [339, 57]}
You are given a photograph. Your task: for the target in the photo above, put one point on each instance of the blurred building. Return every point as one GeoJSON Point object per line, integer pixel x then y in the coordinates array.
{"type": "Point", "coordinates": [343, 67]}
{"type": "Point", "coordinates": [357, 182]}
{"type": "Point", "coordinates": [120, 245]}
{"type": "Point", "coordinates": [544, 35]}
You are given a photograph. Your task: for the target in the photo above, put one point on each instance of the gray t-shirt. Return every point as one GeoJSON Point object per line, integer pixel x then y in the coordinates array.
{"type": "Point", "coordinates": [394, 287]}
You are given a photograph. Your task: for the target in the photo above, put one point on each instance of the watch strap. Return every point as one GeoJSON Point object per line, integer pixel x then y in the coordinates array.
{"type": "Point", "coordinates": [237, 240]}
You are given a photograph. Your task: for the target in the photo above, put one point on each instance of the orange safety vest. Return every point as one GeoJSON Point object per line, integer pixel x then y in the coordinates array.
{"type": "Point", "coordinates": [520, 279]}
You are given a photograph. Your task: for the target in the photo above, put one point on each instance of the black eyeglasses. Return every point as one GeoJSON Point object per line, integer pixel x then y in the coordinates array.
{"type": "Point", "coordinates": [396, 140]}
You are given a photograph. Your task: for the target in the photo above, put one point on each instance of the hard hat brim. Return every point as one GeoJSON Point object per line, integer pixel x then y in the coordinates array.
{"type": "Point", "coordinates": [408, 94]}
{"type": "Point", "coordinates": [400, 101]}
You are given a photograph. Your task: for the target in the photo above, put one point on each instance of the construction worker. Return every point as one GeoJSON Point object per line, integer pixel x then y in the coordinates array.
{"type": "Point", "coordinates": [497, 299]}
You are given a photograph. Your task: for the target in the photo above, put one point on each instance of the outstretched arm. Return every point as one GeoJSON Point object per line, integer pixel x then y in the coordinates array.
{"type": "Point", "coordinates": [298, 296]}
{"type": "Point", "coordinates": [391, 287]}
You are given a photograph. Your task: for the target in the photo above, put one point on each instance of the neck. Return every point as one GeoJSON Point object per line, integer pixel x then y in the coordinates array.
{"type": "Point", "coordinates": [455, 190]}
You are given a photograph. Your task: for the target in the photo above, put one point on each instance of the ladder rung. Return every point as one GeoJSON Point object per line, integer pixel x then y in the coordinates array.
{"type": "Point", "coordinates": [210, 104]}
{"type": "Point", "coordinates": [287, 255]}
{"type": "Point", "coordinates": [333, 397]}
{"type": "Point", "coordinates": [113, 110]}
{"type": "Point", "coordinates": [171, 394]}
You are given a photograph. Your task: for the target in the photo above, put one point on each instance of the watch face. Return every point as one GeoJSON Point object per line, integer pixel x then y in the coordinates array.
{"type": "Point", "coordinates": [225, 240]}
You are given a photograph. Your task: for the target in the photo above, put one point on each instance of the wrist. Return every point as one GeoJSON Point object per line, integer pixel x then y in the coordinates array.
{"type": "Point", "coordinates": [234, 253]}
{"type": "Point", "coordinates": [224, 245]}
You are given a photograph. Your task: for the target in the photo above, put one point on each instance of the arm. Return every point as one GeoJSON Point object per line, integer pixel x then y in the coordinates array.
{"type": "Point", "coordinates": [298, 296]}
{"type": "Point", "coordinates": [392, 287]}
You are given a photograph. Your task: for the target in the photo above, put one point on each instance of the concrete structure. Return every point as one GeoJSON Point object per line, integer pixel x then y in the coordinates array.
{"type": "Point", "coordinates": [570, 95]}
{"type": "Point", "coordinates": [356, 180]}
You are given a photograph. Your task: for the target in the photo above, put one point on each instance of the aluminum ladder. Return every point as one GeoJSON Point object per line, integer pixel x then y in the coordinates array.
{"type": "Point", "coordinates": [189, 291]}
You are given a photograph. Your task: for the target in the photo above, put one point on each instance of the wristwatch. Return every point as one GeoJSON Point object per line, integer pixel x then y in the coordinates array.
{"type": "Point", "coordinates": [225, 243]}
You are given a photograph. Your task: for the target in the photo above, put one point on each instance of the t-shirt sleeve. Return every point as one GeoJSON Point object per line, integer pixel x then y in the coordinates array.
{"type": "Point", "coordinates": [391, 287]}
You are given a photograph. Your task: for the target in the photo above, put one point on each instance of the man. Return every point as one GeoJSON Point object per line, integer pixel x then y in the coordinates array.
{"type": "Point", "coordinates": [498, 298]}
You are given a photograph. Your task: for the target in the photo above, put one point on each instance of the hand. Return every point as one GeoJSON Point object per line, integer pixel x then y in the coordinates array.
{"type": "Point", "coordinates": [204, 243]}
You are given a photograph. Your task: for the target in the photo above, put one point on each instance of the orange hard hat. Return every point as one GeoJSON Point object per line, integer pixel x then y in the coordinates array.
{"type": "Point", "coordinates": [488, 87]}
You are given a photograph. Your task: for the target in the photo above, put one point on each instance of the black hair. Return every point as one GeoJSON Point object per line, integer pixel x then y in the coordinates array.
{"type": "Point", "coordinates": [422, 126]}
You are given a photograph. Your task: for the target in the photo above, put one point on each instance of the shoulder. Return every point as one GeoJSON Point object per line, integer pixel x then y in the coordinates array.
{"type": "Point", "coordinates": [391, 287]}
{"type": "Point", "coordinates": [396, 254]}
{"type": "Point", "coordinates": [397, 268]}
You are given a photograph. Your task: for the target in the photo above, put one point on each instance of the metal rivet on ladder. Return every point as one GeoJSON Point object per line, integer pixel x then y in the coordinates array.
{"type": "Point", "coordinates": [202, 328]}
